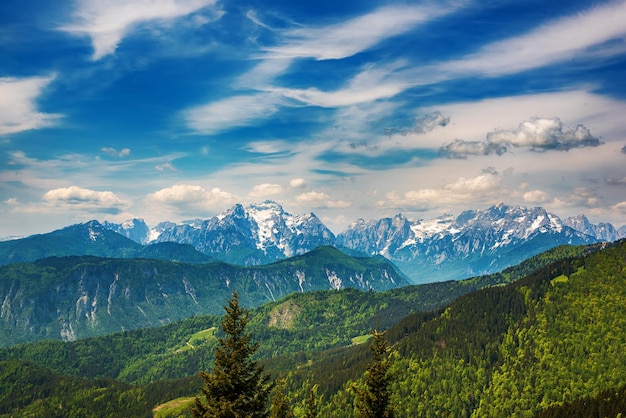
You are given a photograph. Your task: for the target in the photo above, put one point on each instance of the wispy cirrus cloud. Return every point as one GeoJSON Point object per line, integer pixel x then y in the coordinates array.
{"type": "Point", "coordinates": [328, 42]}
{"type": "Point", "coordinates": [18, 104]}
{"type": "Point", "coordinates": [234, 111]}
{"type": "Point", "coordinates": [571, 37]}
{"type": "Point", "coordinates": [108, 22]}
{"type": "Point", "coordinates": [341, 40]}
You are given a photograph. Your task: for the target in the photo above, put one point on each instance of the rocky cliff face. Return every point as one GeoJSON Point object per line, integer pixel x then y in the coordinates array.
{"type": "Point", "coordinates": [77, 297]}
{"type": "Point", "coordinates": [448, 247]}
{"type": "Point", "coordinates": [473, 243]}
{"type": "Point", "coordinates": [256, 234]}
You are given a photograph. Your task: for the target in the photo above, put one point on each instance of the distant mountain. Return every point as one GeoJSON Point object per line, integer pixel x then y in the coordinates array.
{"type": "Point", "coordinates": [475, 242]}
{"type": "Point", "coordinates": [252, 235]}
{"type": "Point", "coordinates": [77, 297]}
{"type": "Point", "coordinates": [93, 238]}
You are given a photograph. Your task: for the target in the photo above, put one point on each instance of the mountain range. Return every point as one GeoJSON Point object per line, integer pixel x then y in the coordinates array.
{"type": "Point", "coordinates": [78, 297]}
{"type": "Point", "coordinates": [473, 243]}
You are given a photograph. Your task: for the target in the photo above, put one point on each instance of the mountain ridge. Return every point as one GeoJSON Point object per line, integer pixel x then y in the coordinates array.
{"type": "Point", "coordinates": [80, 296]}
{"type": "Point", "coordinates": [448, 247]}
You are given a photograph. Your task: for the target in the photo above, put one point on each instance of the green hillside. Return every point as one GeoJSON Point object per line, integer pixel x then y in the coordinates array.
{"type": "Point", "coordinates": [71, 298]}
{"type": "Point", "coordinates": [548, 343]}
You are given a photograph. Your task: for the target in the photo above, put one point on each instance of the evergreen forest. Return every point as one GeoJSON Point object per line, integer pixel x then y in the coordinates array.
{"type": "Point", "coordinates": [543, 339]}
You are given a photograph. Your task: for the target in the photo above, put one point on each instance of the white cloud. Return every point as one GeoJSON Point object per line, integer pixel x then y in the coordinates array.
{"type": "Point", "coordinates": [18, 104]}
{"type": "Point", "coordinates": [264, 190]}
{"type": "Point", "coordinates": [541, 133]}
{"type": "Point", "coordinates": [231, 112]}
{"type": "Point", "coordinates": [461, 191]}
{"type": "Point", "coordinates": [268, 147]}
{"type": "Point", "coordinates": [108, 22]}
{"type": "Point", "coordinates": [372, 83]}
{"type": "Point", "coordinates": [297, 183]}
{"type": "Point", "coordinates": [352, 36]}
{"type": "Point", "coordinates": [536, 196]}
{"type": "Point", "coordinates": [321, 200]}
{"type": "Point", "coordinates": [124, 152]}
{"type": "Point", "coordinates": [165, 167]}
{"type": "Point", "coordinates": [566, 38]}
{"type": "Point", "coordinates": [192, 197]}
{"type": "Point", "coordinates": [537, 134]}
{"type": "Point", "coordinates": [74, 197]}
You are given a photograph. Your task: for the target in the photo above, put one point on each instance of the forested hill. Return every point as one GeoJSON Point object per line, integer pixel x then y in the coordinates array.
{"type": "Point", "coordinates": [76, 297]}
{"type": "Point", "coordinates": [556, 335]}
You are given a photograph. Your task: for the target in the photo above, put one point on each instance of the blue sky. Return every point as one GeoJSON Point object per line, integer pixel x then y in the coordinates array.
{"type": "Point", "coordinates": [178, 109]}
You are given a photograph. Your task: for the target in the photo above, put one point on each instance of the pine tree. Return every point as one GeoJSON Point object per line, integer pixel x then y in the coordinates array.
{"type": "Point", "coordinates": [279, 407]}
{"type": "Point", "coordinates": [373, 398]}
{"type": "Point", "coordinates": [310, 404]}
{"type": "Point", "coordinates": [237, 387]}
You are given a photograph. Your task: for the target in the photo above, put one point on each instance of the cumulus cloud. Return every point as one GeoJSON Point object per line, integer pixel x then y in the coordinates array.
{"type": "Point", "coordinates": [536, 196]}
{"type": "Point", "coordinates": [185, 196]}
{"type": "Point", "coordinates": [108, 22]}
{"type": "Point", "coordinates": [265, 190]}
{"type": "Point", "coordinates": [124, 152]}
{"type": "Point", "coordinates": [321, 200]}
{"type": "Point", "coordinates": [74, 197]}
{"type": "Point", "coordinates": [18, 107]}
{"type": "Point", "coordinates": [537, 134]}
{"type": "Point", "coordinates": [297, 183]}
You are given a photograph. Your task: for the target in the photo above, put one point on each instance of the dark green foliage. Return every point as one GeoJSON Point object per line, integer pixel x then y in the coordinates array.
{"type": "Point", "coordinates": [279, 407]}
{"type": "Point", "coordinates": [311, 403]}
{"type": "Point", "coordinates": [27, 389]}
{"type": "Point", "coordinates": [237, 386]}
{"type": "Point", "coordinates": [549, 340]}
{"type": "Point", "coordinates": [373, 396]}
{"type": "Point", "coordinates": [610, 403]}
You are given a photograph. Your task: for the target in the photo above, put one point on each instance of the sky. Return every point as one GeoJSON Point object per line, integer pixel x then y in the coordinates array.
{"type": "Point", "coordinates": [179, 109]}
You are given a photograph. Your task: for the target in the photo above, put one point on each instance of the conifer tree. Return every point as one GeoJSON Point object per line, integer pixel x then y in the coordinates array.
{"type": "Point", "coordinates": [310, 404]}
{"type": "Point", "coordinates": [373, 397]}
{"type": "Point", "coordinates": [279, 407]}
{"type": "Point", "coordinates": [237, 387]}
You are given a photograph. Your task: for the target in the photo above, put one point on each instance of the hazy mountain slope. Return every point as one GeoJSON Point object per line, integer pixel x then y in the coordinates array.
{"type": "Point", "coordinates": [92, 238]}
{"type": "Point", "coordinates": [473, 243]}
{"type": "Point", "coordinates": [77, 297]}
